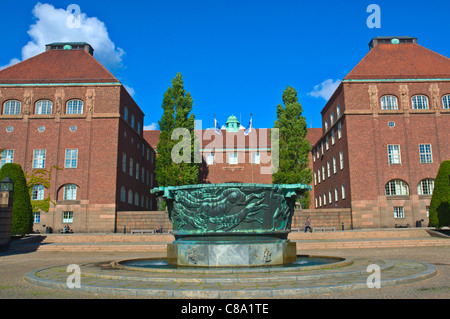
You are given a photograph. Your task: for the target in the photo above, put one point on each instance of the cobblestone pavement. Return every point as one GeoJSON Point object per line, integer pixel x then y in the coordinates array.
{"type": "Point", "coordinates": [14, 267]}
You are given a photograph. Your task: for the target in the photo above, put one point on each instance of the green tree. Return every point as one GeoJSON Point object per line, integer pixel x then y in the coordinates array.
{"type": "Point", "coordinates": [22, 215]}
{"type": "Point", "coordinates": [177, 106]}
{"type": "Point", "coordinates": [294, 147]}
{"type": "Point", "coordinates": [440, 201]}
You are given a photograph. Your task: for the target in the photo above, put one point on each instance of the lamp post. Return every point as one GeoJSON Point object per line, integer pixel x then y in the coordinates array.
{"type": "Point", "coordinates": [6, 205]}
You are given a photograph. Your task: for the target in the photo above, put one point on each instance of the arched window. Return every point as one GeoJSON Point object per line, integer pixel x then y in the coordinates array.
{"type": "Point", "coordinates": [11, 107]}
{"type": "Point", "coordinates": [44, 107]}
{"type": "Point", "coordinates": [130, 197]}
{"type": "Point", "coordinates": [123, 194]}
{"type": "Point", "coordinates": [419, 102]}
{"type": "Point", "coordinates": [425, 187]}
{"type": "Point", "coordinates": [70, 192]}
{"type": "Point", "coordinates": [389, 102]}
{"type": "Point", "coordinates": [446, 101]}
{"type": "Point", "coordinates": [396, 187]}
{"type": "Point", "coordinates": [74, 107]}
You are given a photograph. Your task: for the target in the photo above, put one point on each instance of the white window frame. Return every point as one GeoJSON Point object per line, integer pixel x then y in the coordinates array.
{"type": "Point", "coordinates": [334, 165]}
{"type": "Point", "coordinates": [256, 158]}
{"type": "Point", "coordinates": [39, 158]}
{"type": "Point", "coordinates": [396, 187]}
{"type": "Point", "coordinates": [67, 217]}
{"type": "Point", "coordinates": [37, 192]}
{"type": "Point", "coordinates": [336, 194]}
{"type": "Point", "coordinates": [7, 157]}
{"type": "Point", "coordinates": [343, 191]}
{"type": "Point", "coordinates": [43, 107]}
{"type": "Point", "coordinates": [394, 154]}
{"type": "Point", "coordinates": [425, 153]}
{"type": "Point", "coordinates": [328, 169]}
{"type": "Point", "coordinates": [12, 107]}
{"type": "Point", "coordinates": [71, 159]}
{"type": "Point", "coordinates": [399, 212]}
{"type": "Point", "coordinates": [333, 140]}
{"type": "Point", "coordinates": [74, 107]}
{"type": "Point", "coordinates": [341, 160]}
{"type": "Point", "coordinates": [233, 158]}
{"type": "Point", "coordinates": [389, 102]}
{"type": "Point", "coordinates": [425, 186]}
{"type": "Point", "coordinates": [36, 217]}
{"type": "Point", "coordinates": [210, 158]}
{"type": "Point", "coordinates": [446, 101]}
{"type": "Point", "coordinates": [339, 130]}
{"type": "Point", "coordinates": [70, 192]}
{"type": "Point", "coordinates": [419, 102]}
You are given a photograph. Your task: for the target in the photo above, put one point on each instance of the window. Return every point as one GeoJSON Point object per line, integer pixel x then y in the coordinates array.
{"type": "Point", "coordinates": [334, 165]}
{"type": "Point", "coordinates": [419, 102]}
{"type": "Point", "coordinates": [233, 158]}
{"type": "Point", "coordinates": [130, 197]}
{"type": "Point", "coordinates": [318, 175]}
{"type": "Point", "coordinates": [324, 199]}
{"type": "Point", "coordinates": [125, 114]}
{"type": "Point", "coordinates": [399, 212]}
{"type": "Point", "coordinates": [124, 162]}
{"type": "Point", "coordinates": [142, 174]}
{"type": "Point", "coordinates": [132, 120]}
{"type": "Point", "coordinates": [37, 192]}
{"type": "Point", "coordinates": [446, 101]}
{"type": "Point", "coordinates": [396, 187]}
{"type": "Point", "coordinates": [39, 158]}
{"type": "Point", "coordinates": [336, 194]}
{"type": "Point", "coordinates": [9, 129]}
{"type": "Point", "coordinates": [329, 197]}
{"type": "Point", "coordinates": [327, 144]}
{"type": "Point", "coordinates": [36, 217]}
{"type": "Point", "coordinates": [315, 179]}
{"type": "Point", "coordinates": [70, 192]}
{"type": "Point", "coordinates": [425, 153]}
{"type": "Point", "coordinates": [326, 125]}
{"type": "Point", "coordinates": [255, 158]}
{"type": "Point", "coordinates": [71, 158]}
{"type": "Point", "coordinates": [137, 171]}
{"type": "Point", "coordinates": [73, 128]}
{"type": "Point", "coordinates": [7, 157]}
{"type": "Point", "coordinates": [338, 111]}
{"type": "Point", "coordinates": [343, 191]}
{"type": "Point", "coordinates": [339, 130]}
{"type": "Point", "coordinates": [341, 160]}
{"type": "Point", "coordinates": [314, 155]}
{"type": "Point", "coordinates": [323, 172]}
{"type": "Point", "coordinates": [320, 201]}
{"type": "Point", "coordinates": [331, 119]}
{"type": "Point", "coordinates": [123, 194]}
{"type": "Point", "coordinates": [74, 107]}
{"type": "Point", "coordinates": [316, 202]}
{"type": "Point", "coordinates": [394, 156]}
{"type": "Point", "coordinates": [44, 107]}
{"type": "Point", "coordinates": [11, 108]}
{"type": "Point", "coordinates": [389, 102]}
{"type": "Point", "coordinates": [425, 187]}
{"type": "Point", "coordinates": [136, 199]}
{"type": "Point", "coordinates": [328, 169]}
{"type": "Point", "coordinates": [332, 136]}
{"type": "Point", "coordinates": [131, 166]}
{"type": "Point", "coordinates": [67, 217]}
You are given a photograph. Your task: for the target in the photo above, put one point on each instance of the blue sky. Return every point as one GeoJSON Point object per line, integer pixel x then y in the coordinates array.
{"type": "Point", "coordinates": [236, 56]}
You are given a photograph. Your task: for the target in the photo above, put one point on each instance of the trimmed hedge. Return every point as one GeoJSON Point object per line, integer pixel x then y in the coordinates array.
{"type": "Point", "coordinates": [440, 201]}
{"type": "Point", "coordinates": [22, 215]}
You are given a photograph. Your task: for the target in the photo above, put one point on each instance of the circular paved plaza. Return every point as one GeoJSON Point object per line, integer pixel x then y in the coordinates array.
{"type": "Point", "coordinates": [14, 267]}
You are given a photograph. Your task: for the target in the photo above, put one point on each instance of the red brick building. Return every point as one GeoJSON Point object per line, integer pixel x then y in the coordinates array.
{"type": "Point", "coordinates": [386, 129]}
{"type": "Point", "coordinates": [63, 108]}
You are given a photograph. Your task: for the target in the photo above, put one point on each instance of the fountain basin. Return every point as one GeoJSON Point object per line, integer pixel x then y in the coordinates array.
{"type": "Point", "coordinates": [232, 224]}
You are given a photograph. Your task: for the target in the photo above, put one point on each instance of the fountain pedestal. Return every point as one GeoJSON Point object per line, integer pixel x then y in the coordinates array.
{"type": "Point", "coordinates": [231, 225]}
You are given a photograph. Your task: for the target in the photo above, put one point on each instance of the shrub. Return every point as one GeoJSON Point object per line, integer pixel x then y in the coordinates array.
{"type": "Point", "coordinates": [22, 215]}
{"type": "Point", "coordinates": [440, 201]}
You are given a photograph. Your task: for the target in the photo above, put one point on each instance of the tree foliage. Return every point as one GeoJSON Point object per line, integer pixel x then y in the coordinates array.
{"type": "Point", "coordinates": [294, 147]}
{"type": "Point", "coordinates": [440, 201]}
{"type": "Point", "coordinates": [22, 215]}
{"type": "Point", "coordinates": [177, 106]}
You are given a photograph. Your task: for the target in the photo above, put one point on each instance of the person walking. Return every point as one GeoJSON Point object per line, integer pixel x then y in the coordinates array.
{"type": "Point", "coordinates": [308, 225]}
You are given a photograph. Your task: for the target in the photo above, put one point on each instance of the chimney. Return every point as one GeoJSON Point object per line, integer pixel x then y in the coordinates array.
{"type": "Point", "coordinates": [391, 40]}
{"type": "Point", "coordinates": [70, 46]}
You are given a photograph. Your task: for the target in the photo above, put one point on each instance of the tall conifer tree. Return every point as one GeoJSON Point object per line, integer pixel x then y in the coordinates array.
{"type": "Point", "coordinates": [177, 106]}
{"type": "Point", "coordinates": [294, 147]}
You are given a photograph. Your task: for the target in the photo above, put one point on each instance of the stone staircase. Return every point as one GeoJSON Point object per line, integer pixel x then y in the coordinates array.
{"type": "Point", "coordinates": [354, 239]}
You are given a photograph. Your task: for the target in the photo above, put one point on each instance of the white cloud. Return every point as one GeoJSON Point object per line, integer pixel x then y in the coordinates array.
{"type": "Point", "coordinates": [151, 127]}
{"type": "Point", "coordinates": [12, 62]}
{"type": "Point", "coordinates": [56, 25]}
{"type": "Point", "coordinates": [325, 89]}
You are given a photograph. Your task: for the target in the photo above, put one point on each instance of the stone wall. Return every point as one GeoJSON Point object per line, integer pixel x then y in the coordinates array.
{"type": "Point", "coordinates": [134, 220]}
{"type": "Point", "coordinates": [333, 217]}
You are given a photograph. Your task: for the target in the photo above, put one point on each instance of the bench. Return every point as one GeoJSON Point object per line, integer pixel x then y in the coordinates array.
{"type": "Point", "coordinates": [295, 229]}
{"type": "Point", "coordinates": [143, 231]}
{"type": "Point", "coordinates": [324, 228]}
